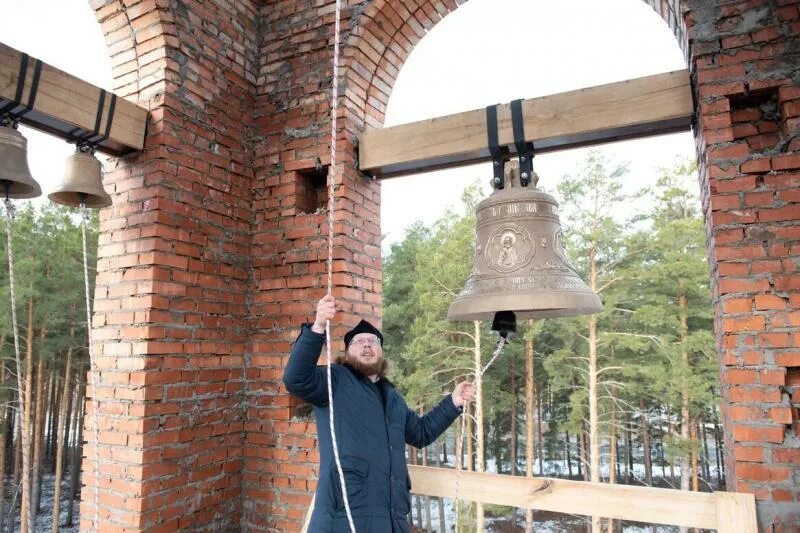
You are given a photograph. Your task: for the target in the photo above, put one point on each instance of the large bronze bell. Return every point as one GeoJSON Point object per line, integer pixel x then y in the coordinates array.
{"type": "Point", "coordinates": [520, 261]}
{"type": "Point", "coordinates": [15, 175]}
{"type": "Point", "coordinates": [82, 182]}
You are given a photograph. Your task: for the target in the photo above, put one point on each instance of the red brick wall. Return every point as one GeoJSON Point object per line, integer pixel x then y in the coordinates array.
{"type": "Point", "coordinates": [294, 116]}
{"type": "Point", "coordinates": [173, 271]}
{"type": "Point", "coordinates": [746, 71]}
{"type": "Point", "coordinates": [290, 251]}
{"type": "Point", "coordinates": [215, 249]}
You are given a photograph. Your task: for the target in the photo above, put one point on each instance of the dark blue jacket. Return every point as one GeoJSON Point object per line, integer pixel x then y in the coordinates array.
{"type": "Point", "coordinates": [371, 441]}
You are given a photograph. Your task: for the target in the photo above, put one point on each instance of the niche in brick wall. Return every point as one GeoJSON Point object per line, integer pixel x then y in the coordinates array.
{"type": "Point", "coordinates": [755, 118]}
{"type": "Point", "coordinates": [311, 191]}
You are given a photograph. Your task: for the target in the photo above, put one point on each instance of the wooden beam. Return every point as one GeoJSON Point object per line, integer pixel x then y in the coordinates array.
{"type": "Point", "coordinates": [736, 512]}
{"type": "Point", "coordinates": [66, 106]}
{"type": "Point", "coordinates": [642, 107]}
{"type": "Point", "coordinates": [623, 502]}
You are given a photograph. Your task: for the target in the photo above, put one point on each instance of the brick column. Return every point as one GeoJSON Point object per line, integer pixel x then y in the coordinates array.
{"type": "Point", "coordinates": [746, 76]}
{"type": "Point", "coordinates": [290, 232]}
{"type": "Point", "coordinates": [173, 272]}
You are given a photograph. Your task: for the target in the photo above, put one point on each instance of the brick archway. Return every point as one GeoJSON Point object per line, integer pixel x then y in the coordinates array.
{"type": "Point", "coordinates": [214, 250]}
{"type": "Point", "coordinates": [747, 137]}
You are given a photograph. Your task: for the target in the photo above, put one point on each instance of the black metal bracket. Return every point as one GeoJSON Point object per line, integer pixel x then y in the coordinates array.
{"type": "Point", "coordinates": [525, 150]}
{"type": "Point", "coordinates": [7, 114]}
{"type": "Point", "coordinates": [497, 152]}
{"type": "Point", "coordinates": [90, 140]}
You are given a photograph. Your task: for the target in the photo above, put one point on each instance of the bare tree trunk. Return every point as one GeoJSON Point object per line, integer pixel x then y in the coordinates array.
{"type": "Point", "coordinates": [612, 470]}
{"type": "Point", "coordinates": [470, 453]}
{"type": "Point", "coordinates": [567, 448]}
{"type": "Point", "coordinates": [672, 463]}
{"type": "Point", "coordinates": [512, 370]}
{"type": "Point", "coordinates": [718, 451]}
{"type": "Point", "coordinates": [77, 449]}
{"type": "Point", "coordinates": [613, 459]}
{"type": "Point", "coordinates": [648, 460]}
{"type": "Point", "coordinates": [3, 441]}
{"type": "Point", "coordinates": [629, 455]}
{"type": "Point", "coordinates": [16, 445]}
{"type": "Point", "coordinates": [26, 516]}
{"type": "Point", "coordinates": [479, 431]}
{"type": "Point", "coordinates": [62, 419]}
{"type": "Point", "coordinates": [706, 458]}
{"type": "Point", "coordinates": [36, 467]}
{"type": "Point", "coordinates": [693, 460]}
{"type": "Point", "coordinates": [594, 419]}
{"type": "Point", "coordinates": [661, 454]}
{"type": "Point", "coordinates": [428, 523]}
{"type": "Point", "coordinates": [72, 408]}
{"type": "Point", "coordinates": [685, 417]}
{"type": "Point", "coordinates": [412, 455]}
{"type": "Point", "coordinates": [530, 391]}
{"type": "Point", "coordinates": [540, 436]}
{"type": "Point", "coordinates": [52, 417]}
{"type": "Point", "coordinates": [695, 480]}
{"type": "Point", "coordinates": [442, 524]}
{"type": "Point", "coordinates": [581, 438]}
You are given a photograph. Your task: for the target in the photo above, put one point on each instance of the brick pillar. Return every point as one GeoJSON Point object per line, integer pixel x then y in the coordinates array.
{"type": "Point", "coordinates": [173, 272]}
{"type": "Point", "coordinates": [745, 70]}
{"type": "Point", "coordinates": [290, 229]}
{"type": "Point", "coordinates": [290, 251]}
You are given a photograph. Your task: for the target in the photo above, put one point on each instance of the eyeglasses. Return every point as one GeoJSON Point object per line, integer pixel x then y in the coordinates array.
{"type": "Point", "coordinates": [365, 340]}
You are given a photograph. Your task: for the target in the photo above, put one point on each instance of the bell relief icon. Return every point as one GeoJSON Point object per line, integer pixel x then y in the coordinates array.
{"type": "Point", "coordinates": [509, 248]}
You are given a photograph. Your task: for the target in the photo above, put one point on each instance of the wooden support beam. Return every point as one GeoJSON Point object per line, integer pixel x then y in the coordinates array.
{"type": "Point", "coordinates": [66, 106]}
{"type": "Point", "coordinates": [642, 107]}
{"type": "Point", "coordinates": [724, 511]}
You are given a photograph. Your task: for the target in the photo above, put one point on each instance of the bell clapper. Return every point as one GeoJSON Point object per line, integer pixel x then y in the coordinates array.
{"type": "Point", "coordinates": [505, 324]}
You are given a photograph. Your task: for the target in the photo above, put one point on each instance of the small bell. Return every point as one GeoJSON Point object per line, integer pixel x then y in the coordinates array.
{"type": "Point", "coordinates": [520, 264]}
{"type": "Point", "coordinates": [82, 182]}
{"type": "Point", "coordinates": [15, 175]}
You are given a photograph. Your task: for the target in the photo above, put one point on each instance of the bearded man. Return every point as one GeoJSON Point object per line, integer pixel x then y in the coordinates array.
{"type": "Point", "coordinates": [372, 423]}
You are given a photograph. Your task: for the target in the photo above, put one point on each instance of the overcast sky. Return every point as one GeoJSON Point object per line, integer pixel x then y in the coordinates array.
{"type": "Point", "coordinates": [486, 52]}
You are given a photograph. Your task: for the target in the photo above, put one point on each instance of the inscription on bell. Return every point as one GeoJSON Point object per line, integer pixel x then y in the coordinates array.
{"type": "Point", "coordinates": [511, 209]}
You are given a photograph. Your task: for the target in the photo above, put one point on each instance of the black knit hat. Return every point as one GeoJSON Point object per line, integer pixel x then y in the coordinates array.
{"type": "Point", "coordinates": [362, 327]}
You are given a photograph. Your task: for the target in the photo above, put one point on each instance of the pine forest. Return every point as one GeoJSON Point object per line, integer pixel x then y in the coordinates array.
{"type": "Point", "coordinates": [626, 396]}
{"type": "Point", "coordinates": [42, 428]}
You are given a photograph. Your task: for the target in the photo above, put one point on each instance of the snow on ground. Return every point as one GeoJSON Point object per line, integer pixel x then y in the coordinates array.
{"type": "Point", "coordinates": [544, 522]}
{"type": "Point", "coordinates": [44, 520]}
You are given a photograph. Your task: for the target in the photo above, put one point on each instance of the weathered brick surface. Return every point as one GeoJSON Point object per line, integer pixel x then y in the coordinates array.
{"type": "Point", "coordinates": [215, 249]}
{"type": "Point", "coordinates": [173, 271]}
{"type": "Point", "coordinates": [746, 70]}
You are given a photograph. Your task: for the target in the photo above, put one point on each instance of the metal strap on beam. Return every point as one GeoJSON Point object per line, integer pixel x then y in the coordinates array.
{"type": "Point", "coordinates": [642, 107]}
{"type": "Point", "coordinates": [68, 107]}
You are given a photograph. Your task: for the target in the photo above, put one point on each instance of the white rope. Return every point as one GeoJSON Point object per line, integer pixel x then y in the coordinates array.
{"type": "Point", "coordinates": [20, 383]}
{"type": "Point", "coordinates": [460, 444]}
{"type": "Point", "coordinates": [95, 404]}
{"type": "Point", "coordinates": [331, 189]}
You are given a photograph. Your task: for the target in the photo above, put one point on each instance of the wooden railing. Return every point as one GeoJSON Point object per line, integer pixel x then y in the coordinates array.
{"type": "Point", "coordinates": [727, 512]}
